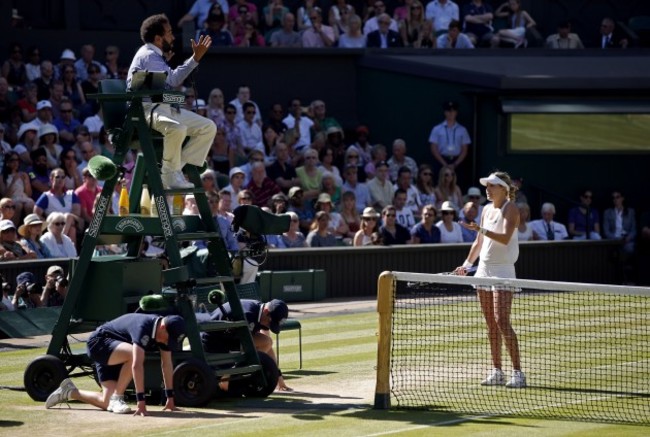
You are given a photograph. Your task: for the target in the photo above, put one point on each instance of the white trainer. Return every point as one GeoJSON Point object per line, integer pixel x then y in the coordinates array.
{"type": "Point", "coordinates": [518, 380]}
{"type": "Point", "coordinates": [117, 405]}
{"type": "Point", "coordinates": [495, 377]}
{"type": "Point", "coordinates": [175, 179]}
{"type": "Point", "coordinates": [61, 394]}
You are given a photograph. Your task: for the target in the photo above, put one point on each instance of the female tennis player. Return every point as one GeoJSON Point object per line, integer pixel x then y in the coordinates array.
{"type": "Point", "coordinates": [498, 247]}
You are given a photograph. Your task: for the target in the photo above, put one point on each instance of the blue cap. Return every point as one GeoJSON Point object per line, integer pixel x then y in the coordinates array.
{"type": "Point", "coordinates": [25, 278]}
{"type": "Point", "coordinates": [175, 326]}
{"type": "Point", "coordinates": [278, 311]}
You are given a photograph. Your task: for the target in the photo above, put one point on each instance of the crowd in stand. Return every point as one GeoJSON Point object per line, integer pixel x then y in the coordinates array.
{"type": "Point", "coordinates": [295, 159]}
{"type": "Point", "coordinates": [443, 24]}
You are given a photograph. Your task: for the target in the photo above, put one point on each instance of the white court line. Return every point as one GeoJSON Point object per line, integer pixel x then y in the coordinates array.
{"type": "Point", "coordinates": [487, 416]}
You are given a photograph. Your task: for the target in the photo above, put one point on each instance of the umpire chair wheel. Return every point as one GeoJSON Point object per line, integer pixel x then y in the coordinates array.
{"type": "Point", "coordinates": [194, 383]}
{"type": "Point", "coordinates": [44, 375]}
{"type": "Point", "coordinates": [251, 387]}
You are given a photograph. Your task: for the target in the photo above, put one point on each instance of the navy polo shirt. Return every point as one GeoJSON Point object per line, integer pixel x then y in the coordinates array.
{"type": "Point", "coordinates": [134, 328]}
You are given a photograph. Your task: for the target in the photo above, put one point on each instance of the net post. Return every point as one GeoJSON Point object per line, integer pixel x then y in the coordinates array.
{"type": "Point", "coordinates": [385, 299]}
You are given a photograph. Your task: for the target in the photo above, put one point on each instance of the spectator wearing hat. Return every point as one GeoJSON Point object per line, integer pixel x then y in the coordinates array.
{"type": "Point", "coordinates": [209, 181]}
{"type": "Point", "coordinates": [118, 348]}
{"type": "Point", "coordinates": [58, 244]}
{"type": "Point", "coordinates": [43, 113]}
{"type": "Point", "coordinates": [564, 39]}
{"type": "Point", "coordinates": [262, 187]}
{"type": "Point", "coordinates": [39, 174]}
{"type": "Point", "coordinates": [360, 190]}
{"type": "Point", "coordinates": [392, 233]}
{"type": "Point", "coordinates": [49, 141]}
{"type": "Point", "coordinates": [31, 231]}
{"type": "Point", "coordinates": [28, 103]}
{"type": "Point", "coordinates": [369, 227]}
{"type": "Point", "coordinates": [66, 59]}
{"type": "Point", "coordinates": [28, 292]}
{"type": "Point", "coordinates": [11, 250]}
{"type": "Point", "coordinates": [450, 230]}
{"type": "Point", "coordinates": [426, 232]}
{"type": "Point", "coordinates": [282, 172]}
{"type": "Point", "coordinates": [15, 184]}
{"type": "Point", "coordinates": [56, 287]}
{"type": "Point", "coordinates": [449, 140]}
{"type": "Point", "coordinates": [319, 234]}
{"type": "Point", "coordinates": [381, 190]}
{"type": "Point", "coordinates": [27, 137]}
{"type": "Point", "coordinates": [337, 225]}
{"type": "Point", "coordinates": [303, 209]}
{"type": "Point", "coordinates": [66, 124]}
{"type": "Point", "coordinates": [237, 178]}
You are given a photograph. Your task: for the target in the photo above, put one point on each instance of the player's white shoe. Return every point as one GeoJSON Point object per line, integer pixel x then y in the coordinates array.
{"type": "Point", "coordinates": [61, 394]}
{"type": "Point", "coordinates": [518, 380]}
{"type": "Point", "coordinates": [117, 405]}
{"type": "Point", "coordinates": [495, 377]}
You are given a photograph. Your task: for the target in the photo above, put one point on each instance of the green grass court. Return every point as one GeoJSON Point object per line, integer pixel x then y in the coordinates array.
{"type": "Point", "coordinates": [334, 396]}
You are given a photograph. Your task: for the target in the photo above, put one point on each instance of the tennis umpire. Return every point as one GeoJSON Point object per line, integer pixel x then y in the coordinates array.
{"type": "Point", "coordinates": [118, 349]}
{"type": "Point", "coordinates": [261, 318]}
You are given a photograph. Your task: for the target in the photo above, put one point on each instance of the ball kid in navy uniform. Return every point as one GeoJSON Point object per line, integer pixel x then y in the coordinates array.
{"type": "Point", "coordinates": [118, 348]}
{"type": "Point", "coordinates": [262, 317]}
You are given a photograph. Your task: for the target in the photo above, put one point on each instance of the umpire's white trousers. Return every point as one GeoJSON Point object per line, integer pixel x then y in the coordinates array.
{"type": "Point", "coordinates": [175, 126]}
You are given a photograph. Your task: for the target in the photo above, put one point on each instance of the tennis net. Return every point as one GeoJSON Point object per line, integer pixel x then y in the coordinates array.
{"type": "Point", "coordinates": [584, 348]}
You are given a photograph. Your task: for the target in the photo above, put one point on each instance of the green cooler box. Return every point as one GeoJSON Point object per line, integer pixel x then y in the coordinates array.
{"type": "Point", "coordinates": [292, 286]}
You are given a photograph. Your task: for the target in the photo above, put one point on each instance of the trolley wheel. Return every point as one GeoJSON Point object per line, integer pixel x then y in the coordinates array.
{"type": "Point", "coordinates": [194, 383]}
{"type": "Point", "coordinates": [44, 375]}
{"type": "Point", "coordinates": [251, 387]}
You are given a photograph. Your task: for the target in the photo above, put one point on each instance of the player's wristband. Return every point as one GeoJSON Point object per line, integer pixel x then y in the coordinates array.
{"type": "Point", "coordinates": [483, 231]}
{"type": "Point", "coordinates": [139, 397]}
{"type": "Point", "coordinates": [467, 264]}
{"type": "Point", "coordinates": [169, 393]}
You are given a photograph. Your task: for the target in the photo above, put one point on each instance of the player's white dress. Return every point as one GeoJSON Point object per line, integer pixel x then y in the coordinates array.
{"type": "Point", "coordinates": [497, 260]}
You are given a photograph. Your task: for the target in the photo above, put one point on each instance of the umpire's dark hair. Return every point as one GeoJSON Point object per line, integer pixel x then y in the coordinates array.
{"type": "Point", "coordinates": [153, 26]}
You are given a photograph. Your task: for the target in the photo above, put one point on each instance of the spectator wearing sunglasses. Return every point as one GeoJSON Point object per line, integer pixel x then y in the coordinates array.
{"type": "Point", "coordinates": [58, 244]}
{"type": "Point", "coordinates": [63, 201]}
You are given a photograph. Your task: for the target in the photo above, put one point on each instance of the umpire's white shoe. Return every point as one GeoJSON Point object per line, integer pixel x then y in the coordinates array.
{"type": "Point", "coordinates": [117, 405]}
{"type": "Point", "coordinates": [175, 179]}
{"type": "Point", "coordinates": [495, 377]}
{"type": "Point", "coordinates": [61, 394]}
{"type": "Point", "coordinates": [518, 380]}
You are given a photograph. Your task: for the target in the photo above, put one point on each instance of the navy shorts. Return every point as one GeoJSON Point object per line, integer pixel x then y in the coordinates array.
{"type": "Point", "coordinates": [99, 349]}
